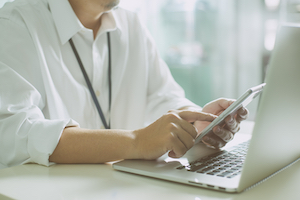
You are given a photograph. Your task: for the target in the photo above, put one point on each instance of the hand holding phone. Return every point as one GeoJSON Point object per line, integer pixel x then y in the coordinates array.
{"type": "Point", "coordinates": [242, 101]}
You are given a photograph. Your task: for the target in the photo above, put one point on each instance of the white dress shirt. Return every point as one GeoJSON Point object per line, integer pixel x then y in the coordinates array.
{"type": "Point", "coordinates": [42, 89]}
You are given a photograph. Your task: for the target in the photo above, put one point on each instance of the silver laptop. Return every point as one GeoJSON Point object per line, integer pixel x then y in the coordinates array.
{"type": "Point", "coordinates": [275, 142]}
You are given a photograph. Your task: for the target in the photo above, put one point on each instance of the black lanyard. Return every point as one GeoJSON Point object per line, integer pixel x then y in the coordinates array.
{"type": "Point", "coordinates": [88, 82]}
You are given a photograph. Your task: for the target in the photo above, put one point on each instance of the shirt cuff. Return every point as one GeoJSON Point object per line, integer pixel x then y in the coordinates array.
{"type": "Point", "coordinates": [43, 139]}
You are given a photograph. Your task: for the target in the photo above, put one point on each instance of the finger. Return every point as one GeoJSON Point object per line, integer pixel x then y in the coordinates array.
{"type": "Point", "coordinates": [213, 141]}
{"type": "Point", "coordinates": [189, 128]}
{"type": "Point", "coordinates": [172, 154]}
{"type": "Point", "coordinates": [242, 114]}
{"type": "Point", "coordinates": [232, 124]}
{"type": "Point", "coordinates": [184, 137]}
{"type": "Point", "coordinates": [225, 103]}
{"type": "Point", "coordinates": [180, 123]}
{"type": "Point", "coordinates": [223, 133]}
{"type": "Point", "coordinates": [187, 140]}
{"type": "Point", "coordinates": [177, 148]}
{"type": "Point", "coordinates": [217, 106]}
{"type": "Point", "coordinates": [192, 116]}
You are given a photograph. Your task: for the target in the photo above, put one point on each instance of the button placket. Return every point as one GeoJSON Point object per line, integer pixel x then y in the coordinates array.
{"type": "Point", "coordinates": [98, 76]}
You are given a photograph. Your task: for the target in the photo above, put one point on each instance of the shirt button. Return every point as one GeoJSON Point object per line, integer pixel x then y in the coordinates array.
{"type": "Point", "coordinates": [97, 93]}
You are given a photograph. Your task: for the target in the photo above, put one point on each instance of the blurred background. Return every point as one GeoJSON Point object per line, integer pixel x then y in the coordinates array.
{"type": "Point", "coordinates": [215, 48]}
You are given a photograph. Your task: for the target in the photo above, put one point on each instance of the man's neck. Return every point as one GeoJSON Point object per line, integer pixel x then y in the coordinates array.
{"type": "Point", "coordinates": [88, 13]}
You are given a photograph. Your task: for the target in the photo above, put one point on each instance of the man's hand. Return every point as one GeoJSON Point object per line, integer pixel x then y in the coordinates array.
{"type": "Point", "coordinates": [221, 134]}
{"type": "Point", "coordinates": [172, 133]}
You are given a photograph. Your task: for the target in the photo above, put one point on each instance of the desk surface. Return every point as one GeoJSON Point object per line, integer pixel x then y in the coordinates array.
{"type": "Point", "coordinates": [100, 181]}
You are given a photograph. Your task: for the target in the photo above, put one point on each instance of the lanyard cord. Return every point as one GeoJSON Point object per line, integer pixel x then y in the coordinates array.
{"type": "Point", "coordinates": [88, 82]}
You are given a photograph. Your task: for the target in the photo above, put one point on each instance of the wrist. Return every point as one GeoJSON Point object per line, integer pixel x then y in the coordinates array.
{"type": "Point", "coordinates": [138, 146]}
{"type": "Point", "coordinates": [133, 150]}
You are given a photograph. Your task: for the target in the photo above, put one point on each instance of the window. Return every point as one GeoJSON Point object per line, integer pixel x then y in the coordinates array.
{"type": "Point", "coordinates": [214, 48]}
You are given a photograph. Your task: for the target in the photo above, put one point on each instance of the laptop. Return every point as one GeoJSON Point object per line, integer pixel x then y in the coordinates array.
{"type": "Point", "coordinates": [273, 145]}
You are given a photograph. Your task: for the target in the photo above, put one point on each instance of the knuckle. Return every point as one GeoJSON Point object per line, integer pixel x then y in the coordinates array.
{"type": "Point", "coordinates": [171, 117]}
{"type": "Point", "coordinates": [230, 121]}
{"type": "Point", "coordinates": [243, 111]}
{"type": "Point", "coordinates": [172, 111]}
{"type": "Point", "coordinates": [172, 137]}
{"type": "Point", "coordinates": [220, 132]}
{"type": "Point", "coordinates": [217, 144]}
{"type": "Point", "coordinates": [236, 129]}
{"type": "Point", "coordinates": [220, 145]}
{"type": "Point", "coordinates": [228, 138]}
{"type": "Point", "coordinates": [172, 127]}
{"type": "Point", "coordinates": [211, 141]}
{"type": "Point", "coordinates": [224, 135]}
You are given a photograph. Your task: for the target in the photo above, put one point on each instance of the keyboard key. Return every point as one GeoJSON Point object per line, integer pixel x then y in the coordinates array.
{"type": "Point", "coordinates": [225, 173]}
{"type": "Point", "coordinates": [211, 173]}
{"type": "Point", "coordinates": [196, 167]}
{"type": "Point", "coordinates": [180, 167]}
{"type": "Point", "coordinates": [205, 170]}
{"type": "Point", "coordinates": [223, 163]}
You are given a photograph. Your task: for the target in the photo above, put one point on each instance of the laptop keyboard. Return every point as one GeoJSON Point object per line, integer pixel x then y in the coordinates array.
{"type": "Point", "coordinates": [223, 164]}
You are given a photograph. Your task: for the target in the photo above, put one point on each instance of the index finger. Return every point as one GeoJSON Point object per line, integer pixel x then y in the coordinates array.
{"type": "Point", "coordinates": [192, 116]}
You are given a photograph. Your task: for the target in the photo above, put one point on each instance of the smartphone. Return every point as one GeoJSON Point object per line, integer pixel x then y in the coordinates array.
{"type": "Point", "coordinates": [242, 101]}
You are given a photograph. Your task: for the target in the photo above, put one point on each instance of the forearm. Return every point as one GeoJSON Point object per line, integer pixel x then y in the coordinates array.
{"type": "Point", "coordinates": [78, 145]}
{"type": "Point", "coordinates": [172, 132]}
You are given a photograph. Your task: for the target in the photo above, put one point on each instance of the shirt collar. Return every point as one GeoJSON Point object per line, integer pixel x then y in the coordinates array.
{"type": "Point", "coordinates": [68, 24]}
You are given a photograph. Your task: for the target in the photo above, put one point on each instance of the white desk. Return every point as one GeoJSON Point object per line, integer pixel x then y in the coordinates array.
{"type": "Point", "coordinates": [102, 182]}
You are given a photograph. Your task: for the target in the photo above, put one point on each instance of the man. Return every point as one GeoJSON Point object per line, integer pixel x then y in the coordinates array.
{"type": "Point", "coordinates": [47, 112]}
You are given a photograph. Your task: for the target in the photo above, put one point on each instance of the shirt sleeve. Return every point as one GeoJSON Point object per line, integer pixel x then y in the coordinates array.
{"type": "Point", "coordinates": [25, 135]}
